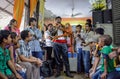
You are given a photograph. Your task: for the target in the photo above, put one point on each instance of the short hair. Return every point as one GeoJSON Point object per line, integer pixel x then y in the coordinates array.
{"type": "Point", "coordinates": [50, 24]}
{"type": "Point", "coordinates": [89, 25]}
{"type": "Point", "coordinates": [107, 39]}
{"type": "Point", "coordinates": [89, 20]}
{"type": "Point", "coordinates": [4, 35]}
{"type": "Point", "coordinates": [80, 26]}
{"type": "Point", "coordinates": [13, 35]}
{"type": "Point", "coordinates": [24, 34]}
{"type": "Point", "coordinates": [58, 17]}
{"type": "Point", "coordinates": [31, 20]}
{"type": "Point", "coordinates": [99, 31]}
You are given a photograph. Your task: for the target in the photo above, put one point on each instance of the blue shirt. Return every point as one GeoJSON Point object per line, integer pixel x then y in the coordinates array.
{"type": "Point", "coordinates": [24, 49]}
{"type": "Point", "coordinates": [34, 43]}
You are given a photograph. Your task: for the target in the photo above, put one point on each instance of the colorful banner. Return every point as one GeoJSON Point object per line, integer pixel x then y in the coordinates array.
{"type": "Point", "coordinates": [33, 4]}
{"type": "Point", "coordinates": [18, 11]}
{"type": "Point", "coordinates": [42, 8]}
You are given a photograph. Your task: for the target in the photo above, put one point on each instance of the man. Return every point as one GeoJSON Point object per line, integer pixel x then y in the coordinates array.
{"type": "Point", "coordinates": [32, 63]}
{"type": "Point", "coordinates": [60, 48]}
{"type": "Point", "coordinates": [35, 42]}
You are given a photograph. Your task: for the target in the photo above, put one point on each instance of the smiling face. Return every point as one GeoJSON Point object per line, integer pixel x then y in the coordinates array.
{"type": "Point", "coordinates": [101, 42]}
{"type": "Point", "coordinates": [7, 40]}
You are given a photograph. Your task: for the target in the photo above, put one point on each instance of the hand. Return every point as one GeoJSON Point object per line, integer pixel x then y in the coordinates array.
{"type": "Point", "coordinates": [91, 74]}
{"type": "Point", "coordinates": [103, 76]}
{"type": "Point", "coordinates": [18, 76]}
{"type": "Point", "coordinates": [112, 55]}
{"type": "Point", "coordinates": [39, 62]}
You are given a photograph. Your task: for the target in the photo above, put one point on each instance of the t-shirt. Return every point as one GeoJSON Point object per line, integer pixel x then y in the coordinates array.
{"type": "Point", "coordinates": [47, 40]}
{"type": "Point", "coordinates": [110, 62]}
{"type": "Point", "coordinates": [4, 58]}
{"type": "Point", "coordinates": [86, 37]}
{"type": "Point", "coordinates": [16, 30]}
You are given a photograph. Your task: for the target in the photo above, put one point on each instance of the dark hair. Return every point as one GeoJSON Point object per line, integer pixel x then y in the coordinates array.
{"type": "Point", "coordinates": [50, 24]}
{"type": "Point", "coordinates": [99, 31]}
{"type": "Point", "coordinates": [79, 26]}
{"type": "Point", "coordinates": [4, 35]}
{"type": "Point", "coordinates": [89, 21]}
{"type": "Point", "coordinates": [89, 25]}
{"type": "Point", "coordinates": [107, 39]}
{"type": "Point", "coordinates": [58, 17]}
{"type": "Point", "coordinates": [10, 23]}
{"type": "Point", "coordinates": [31, 20]}
{"type": "Point", "coordinates": [24, 34]}
{"type": "Point", "coordinates": [13, 35]}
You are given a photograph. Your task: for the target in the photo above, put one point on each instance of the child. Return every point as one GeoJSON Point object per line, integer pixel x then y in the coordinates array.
{"type": "Point", "coordinates": [78, 47]}
{"type": "Point", "coordinates": [15, 45]}
{"type": "Point", "coordinates": [6, 65]}
{"type": "Point", "coordinates": [107, 64]}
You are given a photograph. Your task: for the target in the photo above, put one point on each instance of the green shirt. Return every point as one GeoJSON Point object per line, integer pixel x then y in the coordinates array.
{"type": "Point", "coordinates": [110, 62]}
{"type": "Point", "coordinates": [4, 58]}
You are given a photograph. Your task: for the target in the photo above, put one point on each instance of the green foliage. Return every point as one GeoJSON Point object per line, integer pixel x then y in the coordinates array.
{"type": "Point", "coordinates": [99, 5]}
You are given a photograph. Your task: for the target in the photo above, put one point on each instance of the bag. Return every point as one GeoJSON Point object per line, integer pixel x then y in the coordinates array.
{"type": "Point", "coordinates": [46, 69]}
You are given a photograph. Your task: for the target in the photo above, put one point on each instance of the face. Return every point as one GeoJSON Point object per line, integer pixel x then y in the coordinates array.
{"type": "Point", "coordinates": [15, 40]}
{"type": "Point", "coordinates": [101, 42]}
{"type": "Point", "coordinates": [15, 24]}
{"type": "Point", "coordinates": [58, 20]}
{"type": "Point", "coordinates": [34, 23]}
{"type": "Point", "coordinates": [8, 40]}
{"type": "Point", "coordinates": [87, 27]}
{"type": "Point", "coordinates": [78, 29]}
{"type": "Point", "coordinates": [50, 27]}
{"type": "Point", "coordinates": [29, 38]}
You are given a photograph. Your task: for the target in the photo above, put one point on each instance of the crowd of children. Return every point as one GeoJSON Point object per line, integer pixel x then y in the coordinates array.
{"type": "Point", "coordinates": [21, 54]}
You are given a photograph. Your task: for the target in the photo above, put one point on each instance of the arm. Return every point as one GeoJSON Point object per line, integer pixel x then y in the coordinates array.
{"type": "Point", "coordinates": [95, 65]}
{"type": "Point", "coordinates": [23, 58]}
{"type": "Point", "coordinates": [3, 76]}
{"type": "Point", "coordinates": [12, 67]}
{"type": "Point", "coordinates": [11, 53]}
{"type": "Point", "coordinates": [104, 74]}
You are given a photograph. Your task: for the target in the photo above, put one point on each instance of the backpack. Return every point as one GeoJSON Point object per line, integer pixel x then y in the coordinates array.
{"type": "Point", "coordinates": [46, 69]}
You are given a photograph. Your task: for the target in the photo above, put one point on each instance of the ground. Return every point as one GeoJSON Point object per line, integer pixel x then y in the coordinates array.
{"type": "Point", "coordinates": [76, 76]}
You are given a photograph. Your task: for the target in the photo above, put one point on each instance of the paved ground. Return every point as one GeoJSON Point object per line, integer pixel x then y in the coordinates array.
{"type": "Point", "coordinates": [76, 76]}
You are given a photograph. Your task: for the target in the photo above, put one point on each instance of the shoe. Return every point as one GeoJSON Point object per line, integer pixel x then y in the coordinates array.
{"type": "Point", "coordinates": [41, 77]}
{"type": "Point", "coordinates": [69, 75]}
{"type": "Point", "coordinates": [57, 74]}
{"type": "Point", "coordinates": [87, 75]}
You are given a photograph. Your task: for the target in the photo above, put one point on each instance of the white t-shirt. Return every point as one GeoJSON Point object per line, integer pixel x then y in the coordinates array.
{"type": "Point", "coordinates": [48, 41]}
{"type": "Point", "coordinates": [60, 32]}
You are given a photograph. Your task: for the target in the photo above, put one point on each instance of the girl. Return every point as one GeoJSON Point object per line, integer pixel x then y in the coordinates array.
{"type": "Point", "coordinates": [6, 65]}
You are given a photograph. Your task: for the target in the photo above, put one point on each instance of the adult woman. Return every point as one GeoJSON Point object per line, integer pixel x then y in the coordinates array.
{"type": "Point", "coordinates": [12, 26]}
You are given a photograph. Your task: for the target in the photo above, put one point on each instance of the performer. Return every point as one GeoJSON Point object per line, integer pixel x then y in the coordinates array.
{"type": "Point", "coordinates": [60, 48]}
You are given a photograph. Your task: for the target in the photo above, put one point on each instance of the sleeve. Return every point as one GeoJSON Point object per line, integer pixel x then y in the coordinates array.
{"type": "Point", "coordinates": [1, 57]}
{"type": "Point", "coordinates": [39, 34]}
{"type": "Point", "coordinates": [22, 49]}
{"type": "Point", "coordinates": [46, 35]}
{"type": "Point", "coordinates": [105, 52]}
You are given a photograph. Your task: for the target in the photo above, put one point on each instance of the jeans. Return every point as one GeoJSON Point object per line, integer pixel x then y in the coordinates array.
{"type": "Point", "coordinates": [112, 75]}
{"type": "Point", "coordinates": [23, 74]}
{"type": "Point", "coordinates": [97, 74]}
{"type": "Point", "coordinates": [86, 60]}
{"type": "Point", "coordinates": [60, 49]}
{"type": "Point", "coordinates": [49, 52]}
{"type": "Point", "coordinates": [38, 54]}
{"type": "Point", "coordinates": [79, 58]}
